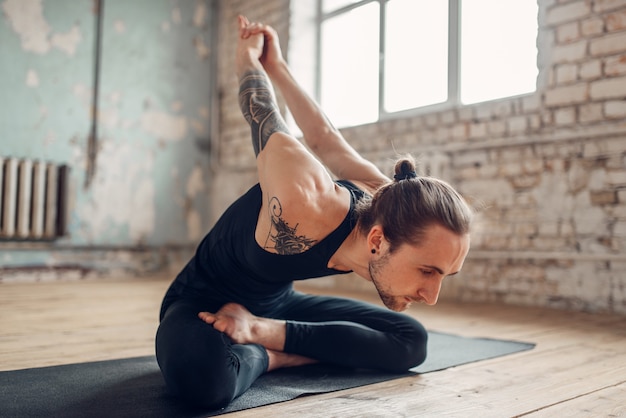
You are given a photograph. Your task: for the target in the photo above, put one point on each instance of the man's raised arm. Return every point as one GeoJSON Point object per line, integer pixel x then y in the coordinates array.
{"type": "Point", "coordinates": [256, 96]}
{"type": "Point", "coordinates": [319, 133]}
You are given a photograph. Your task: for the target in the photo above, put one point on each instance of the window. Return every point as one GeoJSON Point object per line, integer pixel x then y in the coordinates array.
{"type": "Point", "coordinates": [349, 66]}
{"type": "Point", "coordinates": [380, 57]}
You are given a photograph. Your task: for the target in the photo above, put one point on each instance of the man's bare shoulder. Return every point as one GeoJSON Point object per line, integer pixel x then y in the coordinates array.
{"type": "Point", "coordinates": [294, 222]}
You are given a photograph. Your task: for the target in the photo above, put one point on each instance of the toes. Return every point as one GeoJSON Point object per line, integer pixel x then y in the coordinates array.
{"type": "Point", "coordinates": [207, 317]}
{"type": "Point", "coordinates": [220, 326]}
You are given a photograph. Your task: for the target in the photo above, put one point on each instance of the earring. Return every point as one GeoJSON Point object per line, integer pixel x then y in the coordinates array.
{"type": "Point", "coordinates": [373, 251]}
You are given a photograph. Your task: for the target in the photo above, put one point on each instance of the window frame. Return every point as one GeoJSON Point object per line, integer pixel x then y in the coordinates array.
{"type": "Point", "coordinates": [454, 58]}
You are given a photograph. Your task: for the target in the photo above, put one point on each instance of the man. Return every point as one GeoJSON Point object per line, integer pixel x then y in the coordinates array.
{"type": "Point", "coordinates": [232, 313]}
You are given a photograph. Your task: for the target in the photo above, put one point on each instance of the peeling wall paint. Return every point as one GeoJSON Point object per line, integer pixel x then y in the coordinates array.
{"type": "Point", "coordinates": [32, 78]}
{"type": "Point", "coordinates": [122, 202]}
{"type": "Point", "coordinates": [150, 185]}
{"type": "Point", "coordinates": [164, 125]}
{"type": "Point", "coordinates": [155, 106]}
{"type": "Point", "coordinates": [35, 33]}
{"type": "Point", "coordinates": [26, 19]}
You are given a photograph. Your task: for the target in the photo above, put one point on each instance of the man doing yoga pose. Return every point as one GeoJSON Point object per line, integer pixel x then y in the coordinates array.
{"type": "Point", "coordinates": [232, 313]}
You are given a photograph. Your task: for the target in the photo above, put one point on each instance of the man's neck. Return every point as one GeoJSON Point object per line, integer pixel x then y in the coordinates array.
{"type": "Point", "coordinates": [351, 256]}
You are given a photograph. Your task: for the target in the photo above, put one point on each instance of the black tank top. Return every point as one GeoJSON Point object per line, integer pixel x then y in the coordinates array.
{"type": "Point", "coordinates": [229, 265]}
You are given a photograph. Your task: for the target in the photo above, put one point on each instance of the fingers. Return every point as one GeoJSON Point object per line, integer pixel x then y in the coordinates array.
{"type": "Point", "coordinates": [247, 28]}
{"type": "Point", "coordinates": [243, 22]}
{"type": "Point", "coordinates": [251, 29]}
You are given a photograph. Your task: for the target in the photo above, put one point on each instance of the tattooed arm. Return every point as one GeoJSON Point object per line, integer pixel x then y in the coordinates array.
{"type": "Point", "coordinates": [259, 107]}
{"type": "Point", "coordinates": [256, 95]}
{"type": "Point", "coordinates": [301, 203]}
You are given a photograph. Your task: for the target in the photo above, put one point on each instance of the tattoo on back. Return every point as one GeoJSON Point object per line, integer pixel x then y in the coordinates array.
{"type": "Point", "coordinates": [283, 237]}
{"type": "Point", "coordinates": [259, 108]}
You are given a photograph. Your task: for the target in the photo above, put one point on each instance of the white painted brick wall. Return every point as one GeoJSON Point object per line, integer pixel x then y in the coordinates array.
{"type": "Point", "coordinates": [600, 6]}
{"type": "Point", "coordinates": [615, 110]}
{"type": "Point", "coordinates": [566, 73]}
{"type": "Point", "coordinates": [568, 12]}
{"type": "Point", "coordinates": [590, 70]}
{"type": "Point", "coordinates": [610, 44]}
{"type": "Point", "coordinates": [608, 88]}
{"type": "Point", "coordinates": [577, 93]}
{"type": "Point", "coordinates": [592, 26]}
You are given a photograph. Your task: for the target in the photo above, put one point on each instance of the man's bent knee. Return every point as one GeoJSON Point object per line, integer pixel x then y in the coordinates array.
{"type": "Point", "coordinates": [208, 393]}
{"type": "Point", "coordinates": [193, 362]}
{"type": "Point", "coordinates": [197, 382]}
{"type": "Point", "coordinates": [414, 348]}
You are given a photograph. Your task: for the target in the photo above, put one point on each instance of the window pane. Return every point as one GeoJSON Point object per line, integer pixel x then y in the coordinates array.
{"type": "Point", "coordinates": [332, 5]}
{"type": "Point", "coordinates": [498, 49]}
{"type": "Point", "coordinates": [349, 66]}
{"type": "Point", "coordinates": [416, 54]}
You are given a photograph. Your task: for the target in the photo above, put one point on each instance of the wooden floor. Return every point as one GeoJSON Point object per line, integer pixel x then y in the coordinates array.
{"type": "Point", "coordinates": [578, 367]}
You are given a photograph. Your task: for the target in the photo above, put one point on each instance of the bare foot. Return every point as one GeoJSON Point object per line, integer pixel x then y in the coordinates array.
{"type": "Point", "coordinates": [279, 359]}
{"type": "Point", "coordinates": [244, 328]}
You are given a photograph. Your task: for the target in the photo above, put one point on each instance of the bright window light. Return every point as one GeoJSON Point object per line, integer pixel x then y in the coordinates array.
{"type": "Point", "coordinates": [498, 49]}
{"type": "Point", "coordinates": [416, 54]}
{"type": "Point", "coordinates": [489, 52]}
{"type": "Point", "coordinates": [349, 66]}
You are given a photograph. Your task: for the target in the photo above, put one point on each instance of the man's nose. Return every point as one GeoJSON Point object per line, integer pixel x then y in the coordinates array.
{"type": "Point", "coordinates": [430, 294]}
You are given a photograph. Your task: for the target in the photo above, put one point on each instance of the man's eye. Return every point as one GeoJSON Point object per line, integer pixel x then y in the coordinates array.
{"type": "Point", "coordinates": [428, 272]}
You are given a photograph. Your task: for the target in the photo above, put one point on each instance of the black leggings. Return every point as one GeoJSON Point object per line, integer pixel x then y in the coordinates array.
{"type": "Point", "coordinates": [203, 366]}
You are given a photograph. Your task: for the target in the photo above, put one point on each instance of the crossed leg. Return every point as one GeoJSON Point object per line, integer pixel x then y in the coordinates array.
{"type": "Point", "coordinates": [210, 358]}
{"type": "Point", "coordinates": [330, 329]}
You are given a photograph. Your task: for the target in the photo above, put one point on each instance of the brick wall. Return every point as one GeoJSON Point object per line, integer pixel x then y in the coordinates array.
{"type": "Point", "coordinates": [547, 170]}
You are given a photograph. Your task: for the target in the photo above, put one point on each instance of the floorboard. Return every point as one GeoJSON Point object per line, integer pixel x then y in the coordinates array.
{"type": "Point", "coordinates": [578, 367]}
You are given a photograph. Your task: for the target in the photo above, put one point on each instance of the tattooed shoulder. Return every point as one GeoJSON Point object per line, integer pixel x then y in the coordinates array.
{"type": "Point", "coordinates": [282, 237]}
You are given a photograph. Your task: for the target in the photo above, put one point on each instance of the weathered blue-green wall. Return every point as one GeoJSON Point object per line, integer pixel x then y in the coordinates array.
{"type": "Point", "coordinates": [151, 177]}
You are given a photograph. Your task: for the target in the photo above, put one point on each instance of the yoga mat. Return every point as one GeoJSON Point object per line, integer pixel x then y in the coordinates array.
{"type": "Point", "coordinates": [134, 387]}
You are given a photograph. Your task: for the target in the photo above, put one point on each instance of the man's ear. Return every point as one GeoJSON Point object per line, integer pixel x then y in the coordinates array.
{"type": "Point", "coordinates": [375, 238]}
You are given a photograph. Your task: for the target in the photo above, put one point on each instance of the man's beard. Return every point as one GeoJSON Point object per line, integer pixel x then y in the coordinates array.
{"type": "Point", "coordinates": [390, 301]}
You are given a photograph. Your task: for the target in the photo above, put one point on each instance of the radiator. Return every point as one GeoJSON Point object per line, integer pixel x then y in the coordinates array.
{"type": "Point", "coordinates": [33, 199]}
